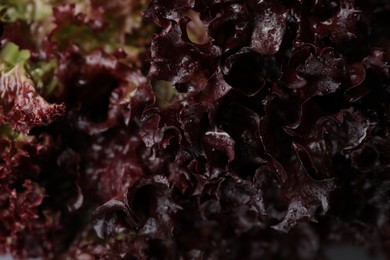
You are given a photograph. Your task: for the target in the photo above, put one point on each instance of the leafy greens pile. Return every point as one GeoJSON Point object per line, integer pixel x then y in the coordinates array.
{"type": "Point", "coordinates": [194, 129]}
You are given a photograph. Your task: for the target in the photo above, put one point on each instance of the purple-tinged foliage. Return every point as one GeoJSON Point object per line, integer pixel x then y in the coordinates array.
{"type": "Point", "coordinates": [194, 129]}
